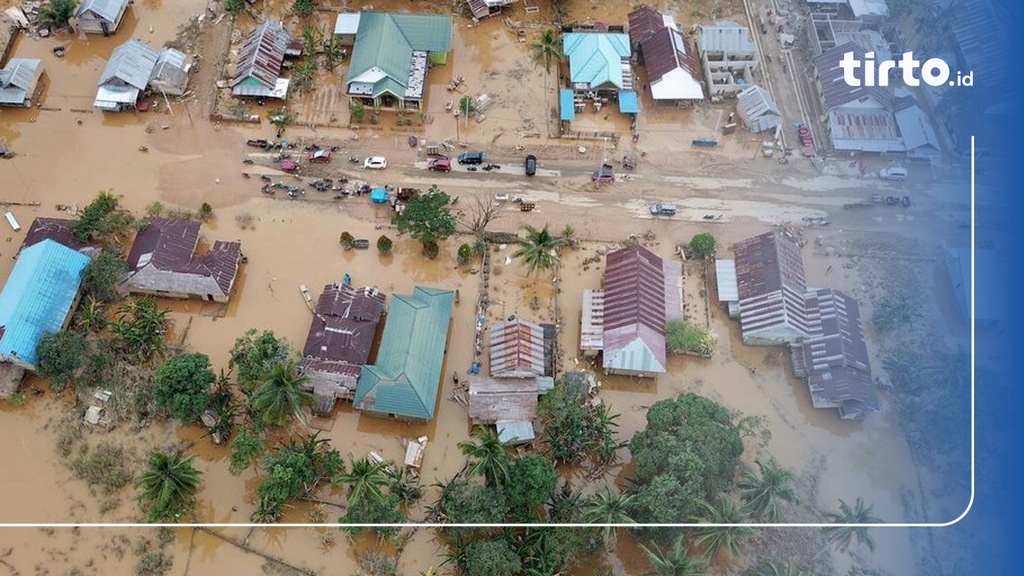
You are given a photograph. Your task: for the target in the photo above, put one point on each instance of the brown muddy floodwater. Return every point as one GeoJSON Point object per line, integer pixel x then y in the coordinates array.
{"type": "Point", "coordinates": [68, 152]}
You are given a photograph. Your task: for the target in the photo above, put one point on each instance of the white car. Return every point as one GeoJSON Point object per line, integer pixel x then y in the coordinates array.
{"type": "Point", "coordinates": [375, 163]}
{"type": "Point", "coordinates": [895, 173]}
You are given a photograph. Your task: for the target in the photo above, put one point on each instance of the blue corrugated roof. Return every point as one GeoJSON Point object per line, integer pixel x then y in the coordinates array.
{"type": "Point", "coordinates": [565, 96]}
{"type": "Point", "coordinates": [628, 103]}
{"type": "Point", "coordinates": [595, 58]}
{"type": "Point", "coordinates": [405, 379]}
{"type": "Point", "coordinates": [37, 297]}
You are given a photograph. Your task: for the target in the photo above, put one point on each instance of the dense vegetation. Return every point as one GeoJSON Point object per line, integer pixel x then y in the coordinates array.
{"type": "Point", "coordinates": [426, 218]}
{"type": "Point", "coordinates": [686, 338]}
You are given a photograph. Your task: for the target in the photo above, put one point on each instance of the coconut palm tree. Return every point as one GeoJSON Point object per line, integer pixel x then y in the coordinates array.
{"type": "Point", "coordinates": [763, 493]}
{"type": "Point", "coordinates": [951, 370]}
{"type": "Point", "coordinates": [715, 539]}
{"type": "Point", "coordinates": [487, 457]}
{"type": "Point", "coordinates": [547, 50]}
{"type": "Point", "coordinates": [676, 561]}
{"type": "Point", "coordinates": [608, 506]}
{"type": "Point", "coordinates": [365, 479]}
{"type": "Point", "coordinates": [280, 397]}
{"type": "Point", "coordinates": [843, 536]}
{"type": "Point", "coordinates": [539, 250]}
{"type": "Point", "coordinates": [776, 568]}
{"type": "Point", "coordinates": [168, 486]}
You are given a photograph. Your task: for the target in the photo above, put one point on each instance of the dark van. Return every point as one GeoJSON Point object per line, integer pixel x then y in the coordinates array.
{"type": "Point", "coordinates": [471, 158]}
{"type": "Point", "coordinates": [531, 165]}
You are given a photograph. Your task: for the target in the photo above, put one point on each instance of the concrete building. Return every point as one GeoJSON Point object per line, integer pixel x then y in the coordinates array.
{"type": "Point", "coordinates": [728, 56]}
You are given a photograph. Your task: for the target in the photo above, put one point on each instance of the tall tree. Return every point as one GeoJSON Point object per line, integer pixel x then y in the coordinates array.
{"type": "Point", "coordinates": [182, 385]}
{"type": "Point", "coordinates": [547, 50]}
{"type": "Point", "coordinates": [715, 539]}
{"type": "Point", "coordinates": [101, 276]}
{"type": "Point", "coordinates": [101, 219]}
{"type": "Point", "coordinates": [487, 456]}
{"type": "Point", "coordinates": [843, 534]}
{"type": "Point", "coordinates": [280, 397]}
{"type": "Point", "coordinates": [58, 12]}
{"type": "Point", "coordinates": [168, 487]}
{"type": "Point", "coordinates": [676, 561]}
{"type": "Point", "coordinates": [609, 506]}
{"type": "Point", "coordinates": [531, 482]}
{"type": "Point", "coordinates": [60, 357]}
{"type": "Point", "coordinates": [539, 249]}
{"type": "Point", "coordinates": [255, 355]}
{"type": "Point", "coordinates": [762, 493]}
{"type": "Point", "coordinates": [426, 217]}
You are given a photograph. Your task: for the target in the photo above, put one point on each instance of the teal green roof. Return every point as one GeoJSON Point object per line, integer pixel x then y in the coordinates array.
{"type": "Point", "coordinates": [595, 58]}
{"type": "Point", "coordinates": [567, 103]}
{"type": "Point", "coordinates": [384, 45]}
{"type": "Point", "coordinates": [37, 297]}
{"type": "Point", "coordinates": [405, 379]}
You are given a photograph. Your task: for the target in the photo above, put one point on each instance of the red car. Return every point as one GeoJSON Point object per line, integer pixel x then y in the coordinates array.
{"type": "Point", "coordinates": [439, 165]}
{"type": "Point", "coordinates": [323, 156]}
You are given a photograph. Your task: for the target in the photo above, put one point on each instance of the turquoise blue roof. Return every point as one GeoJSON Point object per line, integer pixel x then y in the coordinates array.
{"type": "Point", "coordinates": [37, 297]}
{"type": "Point", "coordinates": [568, 106]}
{"type": "Point", "coordinates": [595, 58]}
{"type": "Point", "coordinates": [382, 53]}
{"type": "Point", "coordinates": [628, 103]}
{"type": "Point", "coordinates": [405, 379]}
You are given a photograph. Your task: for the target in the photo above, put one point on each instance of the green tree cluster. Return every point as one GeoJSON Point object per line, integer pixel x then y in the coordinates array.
{"type": "Point", "coordinates": [101, 276]}
{"type": "Point", "coordinates": [702, 246]}
{"type": "Point", "coordinates": [254, 356]}
{"type": "Point", "coordinates": [426, 217]}
{"type": "Point", "coordinates": [182, 385]}
{"type": "Point", "coordinates": [102, 219]}
{"type": "Point", "coordinates": [168, 486]}
{"type": "Point", "coordinates": [686, 338]}
{"type": "Point", "coordinates": [574, 430]}
{"type": "Point", "coordinates": [294, 470]}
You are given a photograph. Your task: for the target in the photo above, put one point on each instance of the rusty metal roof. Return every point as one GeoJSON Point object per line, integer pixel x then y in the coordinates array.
{"type": "Point", "coordinates": [771, 285]}
{"type": "Point", "coordinates": [57, 229]}
{"type": "Point", "coordinates": [344, 324]}
{"type": "Point", "coordinates": [517, 349]}
{"type": "Point", "coordinates": [634, 311]}
{"type": "Point", "coordinates": [664, 51]}
{"type": "Point", "coordinates": [170, 245]}
{"type": "Point", "coordinates": [262, 55]}
{"type": "Point", "coordinates": [835, 92]}
{"type": "Point", "coordinates": [643, 22]}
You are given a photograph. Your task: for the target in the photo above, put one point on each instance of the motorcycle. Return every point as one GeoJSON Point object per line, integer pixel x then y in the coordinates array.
{"type": "Point", "coordinates": [471, 168]}
{"type": "Point", "coordinates": [353, 159]}
{"type": "Point", "coordinates": [247, 161]}
{"type": "Point", "coordinates": [265, 178]}
{"type": "Point", "coordinates": [245, 175]}
{"type": "Point", "coordinates": [335, 148]}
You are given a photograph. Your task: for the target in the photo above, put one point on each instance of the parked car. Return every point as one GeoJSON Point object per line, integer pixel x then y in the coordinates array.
{"type": "Point", "coordinates": [322, 156]}
{"type": "Point", "coordinates": [603, 175]}
{"type": "Point", "coordinates": [471, 158]}
{"type": "Point", "coordinates": [439, 165]}
{"type": "Point", "coordinates": [663, 210]}
{"type": "Point", "coordinates": [531, 165]}
{"type": "Point", "coordinates": [895, 173]}
{"type": "Point", "coordinates": [375, 163]}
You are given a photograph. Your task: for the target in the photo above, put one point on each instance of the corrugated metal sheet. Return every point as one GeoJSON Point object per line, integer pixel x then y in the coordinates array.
{"type": "Point", "coordinates": [758, 110]}
{"type": "Point", "coordinates": [57, 229]}
{"type": "Point", "coordinates": [387, 42]}
{"type": "Point", "coordinates": [18, 79]}
{"type": "Point", "coordinates": [169, 246]}
{"type": "Point", "coordinates": [344, 324]}
{"type": "Point", "coordinates": [835, 92]}
{"type": "Point", "coordinates": [503, 399]}
{"type": "Point", "coordinates": [517, 349]}
{"type": "Point", "coordinates": [515, 432]}
{"type": "Point", "coordinates": [634, 311]}
{"type": "Point", "coordinates": [727, 37]}
{"type": "Point", "coordinates": [673, 72]}
{"type": "Point", "coordinates": [347, 23]}
{"type": "Point", "coordinates": [262, 55]}
{"type": "Point", "coordinates": [108, 10]}
{"type": "Point", "coordinates": [916, 129]}
{"type": "Point", "coordinates": [592, 321]}
{"type": "Point", "coordinates": [169, 73]}
{"type": "Point", "coordinates": [596, 58]}
{"type": "Point", "coordinates": [130, 64]}
{"type": "Point", "coordinates": [566, 101]}
{"type": "Point", "coordinates": [643, 22]}
{"type": "Point", "coordinates": [861, 8]}
{"type": "Point", "coordinates": [407, 375]}
{"type": "Point", "coordinates": [725, 276]}
{"type": "Point", "coordinates": [37, 298]}
{"type": "Point", "coordinates": [771, 286]}
{"type": "Point", "coordinates": [982, 43]}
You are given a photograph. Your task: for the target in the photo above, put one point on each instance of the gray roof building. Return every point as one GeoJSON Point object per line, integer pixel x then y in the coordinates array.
{"type": "Point", "coordinates": [757, 109]}
{"type": "Point", "coordinates": [101, 16]}
{"type": "Point", "coordinates": [170, 75]}
{"type": "Point", "coordinates": [126, 75]}
{"type": "Point", "coordinates": [18, 81]}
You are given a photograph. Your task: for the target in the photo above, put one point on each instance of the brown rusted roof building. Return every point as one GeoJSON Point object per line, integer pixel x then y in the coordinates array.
{"type": "Point", "coordinates": [771, 286]}
{"type": "Point", "coordinates": [340, 338]}
{"type": "Point", "coordinates": [643, 22]}
{"type": "Point", "coordinates": [822, 326]}
{"type": "Point", "coordinates": [521, 349]}
{"type": "Point", "coordinates": [57, 229]}
{"type": "Point", "coordinates": [163, 262]}
{"type": "Point", "coordinates": [641, 292]}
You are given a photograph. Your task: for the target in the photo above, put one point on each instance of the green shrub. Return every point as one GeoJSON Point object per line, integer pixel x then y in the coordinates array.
{"type": "Point", "coordinates": [702, 246]}
{"type": "Point", "coordinates": [683, 337]}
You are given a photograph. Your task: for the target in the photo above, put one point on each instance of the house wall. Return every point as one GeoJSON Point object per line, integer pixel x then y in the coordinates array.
{"type": "Point", "coordinates": [776, 336]}
{"type": "Point", "coordinates": [165, 284]}
{"type": "Point", "coordinates": [369, 103]}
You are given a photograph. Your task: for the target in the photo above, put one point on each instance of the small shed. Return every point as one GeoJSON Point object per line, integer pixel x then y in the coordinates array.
{"type": "Point", "coordinates": [19, 81]}
{"type": "Point", "coordinates": [728, 292]}
{"type": "Point", "coordinates": [757, 109]}
{"type": "Point", "coordinates": [592, 322]}
{"type": "Point", "coordinates": [345, 27]}
{"type": "Point", "coordinates": [101, 16]}
{"type": "Point", "coordinates": [519, 432]}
